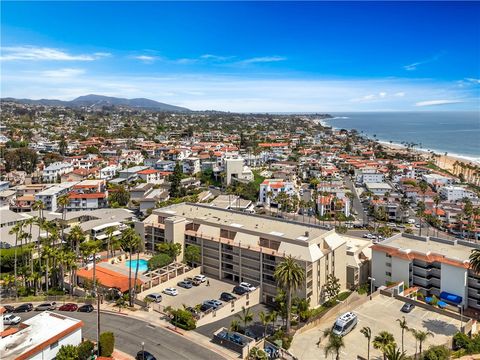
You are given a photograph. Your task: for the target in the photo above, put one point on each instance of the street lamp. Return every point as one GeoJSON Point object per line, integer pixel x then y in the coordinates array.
{"type": "Point", "coordinates": [143, 350]}
{"type": "Point", "coordinates": [372, 280]}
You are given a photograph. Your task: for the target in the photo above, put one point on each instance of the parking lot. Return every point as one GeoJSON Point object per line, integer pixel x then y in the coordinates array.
{"type": "Point", "coordinates": [380, 314]}
{"type": "Point", "coordinates": [191, 297]}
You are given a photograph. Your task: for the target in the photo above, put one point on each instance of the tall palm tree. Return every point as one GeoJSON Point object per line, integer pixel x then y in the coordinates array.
{"type": "Point", "coordinates": [88, 248]}
{"type": "Point", "coordinates": [109, 232]}
{"type": "Point", "coordinates": [17, 230]}
{"type": "Point", "coordinates": [423, 189]}
{"type": "Point", "coordinates": [403, 325]}
{"type": "Point", "coordinates": [272, 317]}
{"type": "Point", "coordinates": [129, 242]}
{"type": "Point", "coordinates": [76, 237]}
{"type": "Point", "coordinates": [264, 319]}
{"type": "Point", "coordinates": [290, 276]}
{"type": "Point", "coordinates": [382, 341]}
{"type": "Point", "coordinates": [245, 316]}
{"type": "Point", "coordinates": [334, 345]}
{"type": "Point", "coordinates": [63, 201]}
{"type": "Point", "coordinates": [40, 206]}
{"type": "Point", "coordinates": [367, 332]}
{"type": "Point", "coordinates": [437, 200]}
{"type": "Point", "coordinates": [421, 336]}
{"type": "Point", "coordinates": [475, 260]}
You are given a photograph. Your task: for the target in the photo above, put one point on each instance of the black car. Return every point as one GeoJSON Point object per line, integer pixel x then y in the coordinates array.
{"type": "Point", "coordinates": [407, 307]}
{"type": "Point", "coordinates": [145, 355]}
{"type": "Point", "coordinates": [206, 307]}
{"type": "Point", "coordinates": [225, 296]}
{"type": "Point", "coordinates": [9, 309]}
{"type": "Point", "coordinates": [86, 308]}
{"type": "Point", "coordinates": [240, 290]}
{"type": "Point", "coordinates": [23, 308]}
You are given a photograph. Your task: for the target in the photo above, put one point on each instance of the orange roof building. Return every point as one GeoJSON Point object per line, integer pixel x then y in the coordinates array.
{"type": "Point", "coordinates": [107, 278]}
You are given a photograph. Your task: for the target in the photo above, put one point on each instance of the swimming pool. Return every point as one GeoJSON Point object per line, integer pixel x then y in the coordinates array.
{"type": "Point", "coordinates": [142, 265]}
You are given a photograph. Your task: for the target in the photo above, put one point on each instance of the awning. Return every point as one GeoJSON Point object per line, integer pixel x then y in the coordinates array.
{"type": "Point", "coordinates": [452, 298]}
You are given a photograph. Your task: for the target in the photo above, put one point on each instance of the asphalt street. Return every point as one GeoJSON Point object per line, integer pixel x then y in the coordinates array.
{"type": "Point", "coordinates": [130, 333]}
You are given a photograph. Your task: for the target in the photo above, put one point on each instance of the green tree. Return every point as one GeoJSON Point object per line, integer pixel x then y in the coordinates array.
{"type": "Point", "coordinates": [392, 353]}
{"type": "Point", "coordinates": [475, 260]}
{"type": "Point", "coordinates": [107, 344]}
{"type": "Point", "coordinates": [67, 352]}
{"type": "Point", "coordinates": [176, 189]}
{"type": "Point", "coordinates": [421, 336]}
{"type": "Point", "coordinates": [85, 350]}
{"type": "Point", "coordinates": [171, 249]}
{"type": "Point", "coordinates": [290, 276]}
{"type": "Point", "coordinates": [159, 261]}
{"type": "Point", "coordinates": [257, 354]}
{"type": "Point", "coordinates": [192, 254]}
{"type": "Point", "coordinates": [245, 316]}
{"type": "Point", "coordinates": [367, 332]}
{"type": "Point", "coordinates": [403, 325]}
{"type": "Point", "coordinates": [129, 243]}
{"type": "Point", "coordinates": [264, 319]}
{"type": "Point", "coordinates": [382, 341]}
{"type": "Point", "coordinates": [63, 201]}
{"type": "Point", "coordinates": [334, 344]}
{"type": "Point", "coordinates": [88, 248]}
{"type": "Point", "coordinates": [118, 196]}
{"type": "Point", "coordinates": [439, 352]}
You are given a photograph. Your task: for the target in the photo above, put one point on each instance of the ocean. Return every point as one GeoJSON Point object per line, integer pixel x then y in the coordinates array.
{"type": "Point", "coordinates": [454, 132]}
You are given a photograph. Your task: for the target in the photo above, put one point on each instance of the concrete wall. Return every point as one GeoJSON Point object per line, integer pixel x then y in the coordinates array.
{"type": "Point", "coordinates": [379, 268]}
{"type": "Point", "coordinates": [454, 279]}
{"type": "Point", "coordinates": [175, 232]}
{"type": "Point", "coordinates": [247, 300]}
{"type": "Point", "coordinates": [49, 353]}
{"type": "Point", "coordinates": [400, 269]}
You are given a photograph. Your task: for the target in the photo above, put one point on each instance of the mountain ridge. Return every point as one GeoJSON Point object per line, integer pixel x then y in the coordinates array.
{"type": "Point", "coordinates": [93, 100]}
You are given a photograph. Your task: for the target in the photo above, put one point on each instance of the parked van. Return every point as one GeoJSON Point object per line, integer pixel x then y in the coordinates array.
{"type": "Point", "coordinates": [344, 324]}
{"type": "Point", "coordinates": [155, 297]}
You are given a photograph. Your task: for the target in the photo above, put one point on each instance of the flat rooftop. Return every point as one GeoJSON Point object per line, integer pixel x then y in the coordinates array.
{"type": "Point", "coordinates": [57, 188]}
{"type": "Point", "coordinates": [255, 223]}
{"type": "Point", "coordinates": [38, 332]}
{"type": "Point", "coordinates": [455, 250]}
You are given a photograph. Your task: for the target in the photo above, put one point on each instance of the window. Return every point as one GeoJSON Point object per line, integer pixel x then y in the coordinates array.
{"type": "Point", "coordinates": [388, 273]}
{"type": "Point", "coordinates": [388, 256]}
{"type": "Point", "coordinates": [388, 264]}
{"type": "Point", "coordinates": [54, 345]}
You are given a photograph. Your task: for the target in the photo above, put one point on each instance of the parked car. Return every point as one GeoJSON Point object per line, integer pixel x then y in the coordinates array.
{"type": "Point", "coordinates": [155, 297]}
{"type": "Point", "coordinates": [344, 324]}
{"type": "Point", "coordinates": [11, 319]}
{"type": "Point", "coordinates": [185, 284]}
{"type": "Point", "coordinates": [206, 307]}
{"type": "Point", "coordinates": [97, 257]}
{"type": "Point", "coordinates": [411, 221]}
{"type": "Point", "coordinates": [202, 278]}
{"type": "Point", "coordinates": [248, 286]}
{"type": "Point", "coordinates": [9, 309]}
{"type": "Point", "coordinates": [171, 291]}
{"type": "Point", "coordinates": [86, 308]}
{"type": "Point", "coordinates": [24, 308]}
{"type": "Point", "coordinates": [145, 355]}
{"type": "Point", "coordinates": [239, 290]}
{"type": "Point", "coordinates": [194, 311]}
{"type": "Point", "coordinates": [195, 282]}
{"type": "Point", "coordinates": [212, 303]}
{"type": "Point", "coordinates": [68, 307]}
{"type": "Point", "coordinates": [407, 307]}
{"type": "Point", "coordinates": [46, 306]}
{"type": "Point", "coordinates": [225, 296]}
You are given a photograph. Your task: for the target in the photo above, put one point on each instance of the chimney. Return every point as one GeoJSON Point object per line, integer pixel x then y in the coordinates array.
{"type": "Point", "coordinates": [307, 234]}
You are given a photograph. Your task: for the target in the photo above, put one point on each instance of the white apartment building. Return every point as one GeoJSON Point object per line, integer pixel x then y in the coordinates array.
{"type": "Point", "coordinates": [234, 168]}
{"type": "Point", "coordinates": [270, 188]}
{"type": "Point", "coordinates": [369, 176]}
{"type": "Point", "coordinates": [435, 266]}
{"type": "Point", "coordinates": [191, 165]}
{"type": "Point", "coordinates": [49, 196]}
{"type": "Point", "coordinates": [40, 337]}
{"type": "Point", "coordinates": [378, 188]}
{"type": "Point", "coordinates": [52, 172]}
{"type": "Point", "coordinates": [237, 247]}
{"type": "Point", "coordinates": [454, 193]}
{"type": "Point", "coordinates": [109, 172]}
{"type": "Point", "coordinates": [436, 180]}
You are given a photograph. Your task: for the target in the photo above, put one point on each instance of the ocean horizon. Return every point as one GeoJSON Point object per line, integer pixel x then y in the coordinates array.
{"type": "Point", "coordinates": [454, 132]}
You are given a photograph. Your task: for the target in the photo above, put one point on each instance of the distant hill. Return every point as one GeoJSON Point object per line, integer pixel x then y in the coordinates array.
{"type": "Point", "coordinates": [100, 100]}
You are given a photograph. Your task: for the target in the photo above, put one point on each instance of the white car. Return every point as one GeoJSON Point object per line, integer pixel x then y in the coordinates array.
{"type": "Point", "coordinates": [411, 221]}
{"type": "Point", "coordinates": [97, 257]}
{"type": "Point", "coordinates": [201, 278]}
{"type": "Point", "coordinates": [171, 291]}
{"type": "Point", "coordinates": [11, 319]}
{"type": "Point", "coordinates": [247, 286]}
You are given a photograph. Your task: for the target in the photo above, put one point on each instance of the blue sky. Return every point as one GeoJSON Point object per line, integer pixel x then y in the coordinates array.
{"type": "Point", "coordinates": [247, 56]}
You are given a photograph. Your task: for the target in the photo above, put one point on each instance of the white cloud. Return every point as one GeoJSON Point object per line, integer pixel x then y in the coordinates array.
{"type": "Point", "coordinates": [437, 102]}
{"type": "Point", "coordinates": [215, 57]}
{"type": "Point", "coordinates": [474, 81]}
{"type": "Point", "coordinates": [262, 59]}
{"type": "Point", "coordinates": [33, 53]}
{"type": "Point", "coordinates": [400, 94]}
{"type": "Point", "coordinates": [63, 73]}
{"type": "Point", "coordinates": [382, 94]}
{"type": "Point", "coordinates": [415, 65]}
{"type": "Point", "coordinates": [147, 59]}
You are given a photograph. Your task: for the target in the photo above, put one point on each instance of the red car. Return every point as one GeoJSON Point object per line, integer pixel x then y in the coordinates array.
{"type": "Point", "coordinates": [68, 307]}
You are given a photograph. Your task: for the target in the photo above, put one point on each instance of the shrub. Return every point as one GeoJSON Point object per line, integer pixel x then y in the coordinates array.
{"type": "Point", "coordinates": [183, 319]}
{"type": "Point", "coordinates": [439, 352]}
{"type": "Point", "coordinates": [67, 352]}
{"type": "Point", "coordinates": [159, 261]}
{"type": "Point", "coordinates": [107, 344]}
{"type": "Point", "coordinates": [85, 350]}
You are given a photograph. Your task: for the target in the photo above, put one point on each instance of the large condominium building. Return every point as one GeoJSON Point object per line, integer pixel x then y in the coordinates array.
{"type": "Point", "coordinates": [52, 172]}
{"type": "Point", "coordinates": [437, 267]}
{"type": "Point", "coordinates": [50, 195]}
{"type": "Point", "coordinates": [270, 188]}
{"type": "Point", "coordinates": [454, 193]}
{"type": "Point", "coordinates": [239, 247]}
{"type": "Point", "coordinates": [235, 169]}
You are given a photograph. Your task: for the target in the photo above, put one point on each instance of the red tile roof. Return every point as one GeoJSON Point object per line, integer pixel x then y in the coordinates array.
{"type": "Point", "coordinates": [108, 278]}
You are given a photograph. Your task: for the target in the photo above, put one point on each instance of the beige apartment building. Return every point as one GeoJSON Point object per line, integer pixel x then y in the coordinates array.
{"type": "Point", "coordinates": [238, 247]}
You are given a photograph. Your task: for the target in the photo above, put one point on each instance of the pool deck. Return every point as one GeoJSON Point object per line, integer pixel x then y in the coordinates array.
{"type": "Point", "coordinates": [122, 268]}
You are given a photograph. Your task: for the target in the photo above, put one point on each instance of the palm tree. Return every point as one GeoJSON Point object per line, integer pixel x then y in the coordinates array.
{"type": "Point", "coordinates": [257, 354]}
{"type": "Point", "coordinates": [382, 341]}
{"type": "Point", "coordinates": [423, 189]}
{"type": "Point", "coordinates": [475, 260]}
{"type": "Point", "coordinates": [436, 200]}
{"type": "Point", "coordinates": [76, 237]}
{"type": "Point", "coordinates": [246, 316]}
{"type": "Point", "coordinates": [392, 353]}
{"type": "Point", "coordinates": [234, 325]}
{"type": "Point", "coordinates": [290, 276]}
{"type": "Point", "coordinates": [264, 319]}
{"type": "Point", "coordinates": [421, 337]}
{"type": "Point", "coordinates": [272, 317]}
{"type": "Point", "coordinates": [63, 201]}
{"type": "Point", "coordinates": [334, 344]}
{"type": "Point", "coordinates": [17, 230]}
{"type": "Point", "coordinates": [403, 325]}
{"type": "Point", "coordinates": [40, 206]}
{"type": "Point", "coordinates": [367, 332]}
{"type": "Point", "coordinates": [109, 232]}
{"type": "Point", "coordinates": [129, 242]}
{"type": "Point", "coordinates": [88, 248]}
